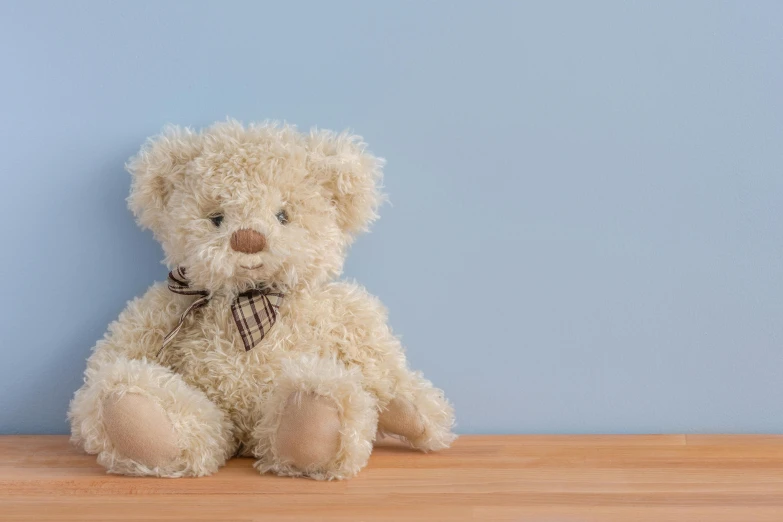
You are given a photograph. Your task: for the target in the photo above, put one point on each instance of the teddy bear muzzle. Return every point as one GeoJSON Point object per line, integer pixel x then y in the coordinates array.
{"type": "Point", "coordinates": [248, 241]}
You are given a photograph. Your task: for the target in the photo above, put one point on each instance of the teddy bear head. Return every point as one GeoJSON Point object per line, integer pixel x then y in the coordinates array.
{"type": "Point", "coordinates": [241, 206]}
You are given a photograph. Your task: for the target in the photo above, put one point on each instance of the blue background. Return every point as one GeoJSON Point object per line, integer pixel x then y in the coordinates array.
{"type": "Point", "coordinates": [587, 197]}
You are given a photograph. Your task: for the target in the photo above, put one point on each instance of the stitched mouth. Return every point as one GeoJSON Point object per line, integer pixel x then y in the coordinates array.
{"type": "Point", "coordinates": [252, 267]}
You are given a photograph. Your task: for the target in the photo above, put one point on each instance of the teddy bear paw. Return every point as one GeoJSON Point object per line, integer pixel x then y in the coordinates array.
{"type": "Point", "coordinates": [139, 429]}
{"type": "Point", "coordinates": [400, 417]}
{"type": "Point", "coordinates": [308, 437]}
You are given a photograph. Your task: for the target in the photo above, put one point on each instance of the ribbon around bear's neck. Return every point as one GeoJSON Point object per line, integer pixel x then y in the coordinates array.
{"type": "Point", "coordinates": [255, 311]}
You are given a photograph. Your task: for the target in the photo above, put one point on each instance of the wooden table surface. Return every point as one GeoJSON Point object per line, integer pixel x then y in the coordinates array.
{"type": "Point", "coordinates": [541, 478]}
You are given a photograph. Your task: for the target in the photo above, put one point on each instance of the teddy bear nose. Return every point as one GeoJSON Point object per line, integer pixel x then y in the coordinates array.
{"type": "Point", "coordinates": [248, 241]}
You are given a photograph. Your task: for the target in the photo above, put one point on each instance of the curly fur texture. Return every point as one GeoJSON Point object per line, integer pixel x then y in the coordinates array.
{"type": "Point", "coordinates": [331, 337]}
{"type": "Point", "coordinates": [204, 432]}
{"type": "Point", "coordinates": [327, 378]}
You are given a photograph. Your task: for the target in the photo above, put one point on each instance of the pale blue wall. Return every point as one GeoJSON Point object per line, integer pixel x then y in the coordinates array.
{"type": "Point", "coordinates": [586, 230]}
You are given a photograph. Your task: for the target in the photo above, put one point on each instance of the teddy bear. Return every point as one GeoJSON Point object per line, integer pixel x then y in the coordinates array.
{"type": "Point", "coordinates": [253, 347]}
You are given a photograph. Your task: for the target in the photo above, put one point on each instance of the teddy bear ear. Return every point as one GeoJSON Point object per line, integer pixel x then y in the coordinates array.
{"type": "Point", "coordinates": [155, 169]}
{"type": "Point", "coordinates": [350, 176]}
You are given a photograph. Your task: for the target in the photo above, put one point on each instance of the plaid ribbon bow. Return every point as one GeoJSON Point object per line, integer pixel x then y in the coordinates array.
{"type": "Point", "coordinates": [254, 311]}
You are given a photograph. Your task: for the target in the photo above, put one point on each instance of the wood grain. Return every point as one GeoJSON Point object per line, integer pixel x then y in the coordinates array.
{"type": "Point", "coordinates": [657, 478]}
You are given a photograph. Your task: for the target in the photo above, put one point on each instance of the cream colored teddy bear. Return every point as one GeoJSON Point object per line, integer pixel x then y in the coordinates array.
{"type": "Point", "coordinates": [253, 348]}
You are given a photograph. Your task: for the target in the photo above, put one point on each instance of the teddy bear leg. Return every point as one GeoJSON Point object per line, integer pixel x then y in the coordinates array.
{"type": "Point", "coordinates": [142, 419]}
{"type": "Point", "coordinates": [318, 422]}
{"type": "Point", "coordinates": [419, 414]}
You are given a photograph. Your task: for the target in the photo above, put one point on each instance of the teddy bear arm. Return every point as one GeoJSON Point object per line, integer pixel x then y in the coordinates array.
{"type": "Point", "coordinates": [137, 415]}
{"type": "Point", "coordinates": [139, 330]}
{"type": "Point", "coordinates": [409, 405]}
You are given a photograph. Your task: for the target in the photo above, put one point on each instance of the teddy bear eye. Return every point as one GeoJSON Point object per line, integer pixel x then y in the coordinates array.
{"type": "Point", "coordinates": [282, 217]}
{"type": "Point", "coordinates": [216, 219]}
